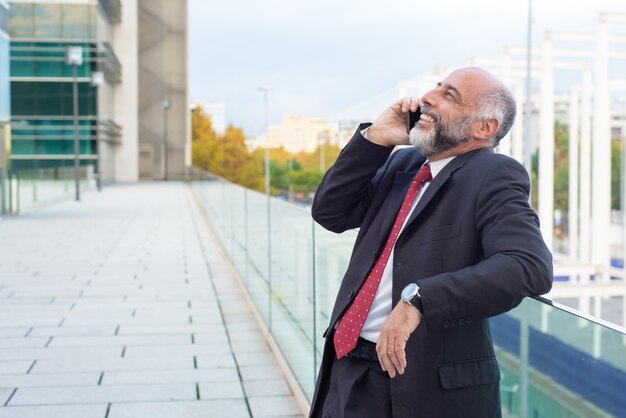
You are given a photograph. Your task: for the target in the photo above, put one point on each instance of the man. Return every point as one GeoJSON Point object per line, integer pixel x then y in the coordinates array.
{"type": "Point", "coordinates": [447, 239]}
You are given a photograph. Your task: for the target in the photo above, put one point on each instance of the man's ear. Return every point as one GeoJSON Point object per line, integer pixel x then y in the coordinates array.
{"type": "Point", "coordinates": [486, 128]}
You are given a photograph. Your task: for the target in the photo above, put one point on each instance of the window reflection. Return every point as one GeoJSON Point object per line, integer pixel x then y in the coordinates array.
{"type": "Point", "coordinates": [53, 21]}
{"type": "Point", "coordinates": [21, 21]}
{"type": "Point", "coordinates": [77, 21]}
{"type": "Point", "coordinates": [48, 22]}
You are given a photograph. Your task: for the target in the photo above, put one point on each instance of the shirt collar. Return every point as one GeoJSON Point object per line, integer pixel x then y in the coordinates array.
{"type": "Point", "coordinates": [437, 166]}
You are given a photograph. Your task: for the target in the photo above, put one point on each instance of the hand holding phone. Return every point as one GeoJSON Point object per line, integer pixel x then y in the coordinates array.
{"type": "Point", "coordinates": [412, 118]}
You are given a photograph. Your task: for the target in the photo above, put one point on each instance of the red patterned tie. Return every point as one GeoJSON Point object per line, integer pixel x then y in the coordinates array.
{"type": "Point", "coordinates": [350, 325]}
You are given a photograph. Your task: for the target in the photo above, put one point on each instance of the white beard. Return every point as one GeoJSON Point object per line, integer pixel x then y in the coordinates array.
{"type": "Point", "coordinates": [424, 140]}
{"type": "Point", "coordinates": [441, 137]}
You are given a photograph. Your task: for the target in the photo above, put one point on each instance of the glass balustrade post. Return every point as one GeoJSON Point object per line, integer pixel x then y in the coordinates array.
{"type": "Point", "coordinates": [524, 352]}
{"type": "Point", "coordinates": [245, 227]}
{"type": "Point", "coordinates": [36, 179]}
{"type": "Point", "coordinates": [597, 336]}
{"type": "Point", "coordinates": [2, 192]}
{"type": "Point", "coordinates": [314, 288]}
{"type": "Point", "coordinates": [269, 262]}
{"type": "Point", "coordinates": [9, 194]}
{"type": "Point", "coordinates": [17, 193]}
{"type": "Point", "coordinates": [232, 222]}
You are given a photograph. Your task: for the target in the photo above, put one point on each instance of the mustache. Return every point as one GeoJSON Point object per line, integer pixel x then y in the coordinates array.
{"type": "Point", "coordinates": [427, 110]}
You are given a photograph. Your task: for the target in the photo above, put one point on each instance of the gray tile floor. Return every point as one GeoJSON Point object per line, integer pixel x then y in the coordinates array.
{"type": "Point", "coordinates": [119, 306]}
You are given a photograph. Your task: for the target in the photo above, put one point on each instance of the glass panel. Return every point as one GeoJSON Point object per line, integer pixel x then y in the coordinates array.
{"type": "Point", "coordinates": [21, 22]}
{"type": "Point", "coordinates": [47, 59]}
{"type": "Point", "coordinates": [51, 98]}
{"type": "Point", "coordinates": [77, 21]}
{"type": "Point", "coordinates": [258, 282]}
{"type": "Point", "coordinates": [48, 21]}
{"type": "Point", "coordinates": [332, 255]}
{"type": "Point", "coordinates": [31, 183]}
{"type": "Point", "coordinates": [292, 289]}
{"type": "Point", "coordinates": [575, 368]}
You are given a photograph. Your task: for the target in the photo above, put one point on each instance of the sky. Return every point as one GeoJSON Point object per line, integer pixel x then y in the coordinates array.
{"type": "Point", "coordinates": [321, 57]}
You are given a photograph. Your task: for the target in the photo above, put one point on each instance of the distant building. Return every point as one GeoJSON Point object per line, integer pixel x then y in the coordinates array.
{"type": "Point", "coordinates": [299, 133]}
{"type": "Point", "coordinates": [216, 111]}
{"type": "Point", "coordinates": [134, 58]}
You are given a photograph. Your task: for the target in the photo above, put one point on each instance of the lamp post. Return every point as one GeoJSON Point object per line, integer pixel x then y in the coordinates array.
{"type": "Point", "coordinates": [266, 90]}
{"type": "Point", "coordinates": [167, 103]}
{"type": "Point", "coordinates": [74, 57]}
{"type": "Point", "coordinates": [97, 79]}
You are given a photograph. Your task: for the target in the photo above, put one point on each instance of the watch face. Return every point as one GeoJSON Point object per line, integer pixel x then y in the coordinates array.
{"type": "Point", "coordinates": [409, 292]}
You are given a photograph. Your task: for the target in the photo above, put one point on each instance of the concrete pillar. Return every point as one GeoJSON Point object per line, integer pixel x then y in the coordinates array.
{"type": "Point", "coordinates": [126, 94]}
{"type": "Point", "coordinates": [573, 174]}
{"type": "Point", "coordinates": [546, 144]}
{"type": "Point", "coordinates": [585, 169]}
{"type": "Point", "coordinates": [601, 154]}
{"type": "Point", "coordinates": [505, 146]}
{"type": "Point", "coordinates": [518, 127]}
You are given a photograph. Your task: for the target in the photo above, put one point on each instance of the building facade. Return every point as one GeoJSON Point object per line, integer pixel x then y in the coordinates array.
{"type": "Point", "coordinates": [42, 114]}
{"type": "Point", "coordinates": [5, 97]}
{"type": "Point", "coordinates": [110, 93]}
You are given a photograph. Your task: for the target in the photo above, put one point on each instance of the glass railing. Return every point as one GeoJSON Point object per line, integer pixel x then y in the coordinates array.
{"type": "Point", "coordinates": [554, 361]}
{"type": "Point", "coordinates": [26, 188]}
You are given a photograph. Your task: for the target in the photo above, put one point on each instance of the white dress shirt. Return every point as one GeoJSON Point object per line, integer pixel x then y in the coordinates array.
{"type": "Point", "coordinates": [381, 306]}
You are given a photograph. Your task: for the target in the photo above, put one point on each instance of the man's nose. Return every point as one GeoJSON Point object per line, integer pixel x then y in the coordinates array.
{"type": "Point", "coordinates": [429, 99]}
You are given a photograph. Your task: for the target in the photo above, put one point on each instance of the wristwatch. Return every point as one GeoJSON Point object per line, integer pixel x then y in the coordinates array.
{"type": "Point", "coordinates": [411, 295]}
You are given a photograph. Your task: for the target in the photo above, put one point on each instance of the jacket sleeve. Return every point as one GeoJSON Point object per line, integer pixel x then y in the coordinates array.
{"type": "Point", "coordinates": [346, 190]}
{"type": "Point", "coordinates": [516, 261]}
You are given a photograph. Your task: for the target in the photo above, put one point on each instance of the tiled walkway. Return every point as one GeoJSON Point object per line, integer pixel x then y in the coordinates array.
{"type": "Point", "coordinates": [121, 306]}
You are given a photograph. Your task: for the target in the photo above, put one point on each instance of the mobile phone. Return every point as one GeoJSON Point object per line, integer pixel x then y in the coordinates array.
{"type": "Point", "coordinates": [412, 118]}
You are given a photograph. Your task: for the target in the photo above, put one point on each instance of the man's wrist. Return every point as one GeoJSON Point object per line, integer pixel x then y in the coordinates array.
{"type": "Point", "coordinates": [371, 134]}
{"type": "Point", "coordinates": [412, 310]}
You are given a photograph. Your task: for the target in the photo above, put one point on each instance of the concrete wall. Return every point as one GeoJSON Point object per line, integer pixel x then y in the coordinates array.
{"type": "Point", "coordinates": [162, 66]}
{"type": "Point", "coordinates": [125, 101]}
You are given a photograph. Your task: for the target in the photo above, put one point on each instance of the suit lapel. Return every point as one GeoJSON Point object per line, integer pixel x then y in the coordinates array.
{"type": "Point", "coordinates": [438, 182]}
{"type": "Point", "coordinates": [396, 195]}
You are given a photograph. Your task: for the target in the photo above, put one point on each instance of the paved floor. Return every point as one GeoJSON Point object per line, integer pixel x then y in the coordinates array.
{"type": "Point", "coordinates": [121, 306]}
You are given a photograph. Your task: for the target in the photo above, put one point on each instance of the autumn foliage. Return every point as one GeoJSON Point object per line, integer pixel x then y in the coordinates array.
{"type": "Point", "coordinates": [228, 156]}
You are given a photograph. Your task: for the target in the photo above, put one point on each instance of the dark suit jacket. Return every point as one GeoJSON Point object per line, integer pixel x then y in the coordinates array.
{"type": "Point", "coordinates": [472, 244]}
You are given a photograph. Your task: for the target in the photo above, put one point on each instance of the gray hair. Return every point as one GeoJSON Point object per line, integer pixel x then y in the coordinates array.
{"type": "Point", "coordinates": [498, 104]}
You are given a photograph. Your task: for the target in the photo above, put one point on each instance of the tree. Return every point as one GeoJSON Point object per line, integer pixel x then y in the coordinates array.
{"type": "Point", "coordinates": [561, 167]}
{"type": "Point", "coordinates": [616, 169]}
{"type": "Point", "coordinates": [205, 144]}
{"type": "Point", "coordinates": [305, 181]}
{"type": "Point", "coordinates": [225, 155]}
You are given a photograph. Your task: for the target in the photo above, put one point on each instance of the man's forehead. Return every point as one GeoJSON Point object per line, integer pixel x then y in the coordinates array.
{"type": "Point", "coordinates": [468, 81]}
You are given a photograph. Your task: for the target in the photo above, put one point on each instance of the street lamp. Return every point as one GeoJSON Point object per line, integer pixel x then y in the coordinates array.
{"type": "Point", "coordinates": [167, 103]}
{"type": "Point", "coordinates": [97, 79]}
{"type": "Point", "coordinates": [74, 57]}
{"type": "Point", "coordinates": [266, 90]}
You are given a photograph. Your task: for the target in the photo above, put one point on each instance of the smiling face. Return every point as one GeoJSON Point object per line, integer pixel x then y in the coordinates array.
{"type": "Point", "coordinates": [449, 114]}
